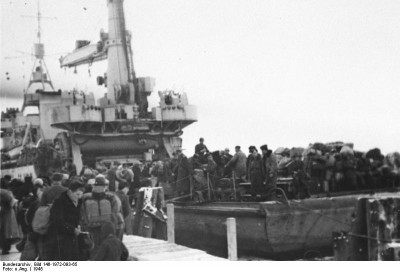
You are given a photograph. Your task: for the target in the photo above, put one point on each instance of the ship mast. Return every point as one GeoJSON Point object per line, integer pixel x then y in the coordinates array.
{"type": "Point", "coordinates": [120, 88]}
{"type": "Point", "coordinates": [40, 74]}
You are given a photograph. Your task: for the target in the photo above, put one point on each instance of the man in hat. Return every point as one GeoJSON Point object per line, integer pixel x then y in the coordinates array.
{"type": "Point", "coordinates": [99, 207]}
{"type": "Point", "coordinates": [270, 169]}
{"type": "Point", "coordinates": [183, 173]}
{"type": "Point", "coordinates": [255, 172]}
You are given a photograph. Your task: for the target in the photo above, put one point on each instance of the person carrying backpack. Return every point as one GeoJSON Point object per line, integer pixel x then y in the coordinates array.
{"type": "Point", "coordinates": [99, 207]}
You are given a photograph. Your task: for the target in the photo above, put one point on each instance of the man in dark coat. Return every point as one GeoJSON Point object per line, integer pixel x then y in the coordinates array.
{"type": "Point", "coordinates": [256, 176]}
{"type": "Point", "coordinates": [54, 191]}
{"type": "Point", "coordinates": [201, 149]}
{"type": "Point", "coordinates": [270, 170]}
{"type": "Point", "coordinates": [111, 248]}
{"type": "Point", "coordinates": [183, 173]}
{"type": "Point", "coordinates": [64, 218]}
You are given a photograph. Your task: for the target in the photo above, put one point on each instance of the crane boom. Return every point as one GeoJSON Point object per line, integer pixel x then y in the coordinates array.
{"type": "Point", "coordinates": [84, 55]}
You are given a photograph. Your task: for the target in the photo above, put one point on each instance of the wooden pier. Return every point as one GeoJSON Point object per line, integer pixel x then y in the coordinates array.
{"type": "Point", "coordinates": [149, 249]}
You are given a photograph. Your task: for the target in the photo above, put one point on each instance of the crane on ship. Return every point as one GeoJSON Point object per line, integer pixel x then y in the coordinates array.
{"type": "Point", "coordinates": [121, 126]}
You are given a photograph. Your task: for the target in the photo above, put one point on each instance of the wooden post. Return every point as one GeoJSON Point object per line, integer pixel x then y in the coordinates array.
{"type": "Point", "coordinates": [170, 223]}
{"type": "Point", "coordinates": [231, 236]}
{"type": "Point", "coordinates": [208, 186]}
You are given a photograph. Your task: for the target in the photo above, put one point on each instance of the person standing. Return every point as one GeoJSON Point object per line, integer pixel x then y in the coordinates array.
{"type": "Point", "coordinates": [201, 149]}
{"type": "Point", "coordinates": [183, 173]}
{"type": "Point", "coordinates": [270, 169]}
{"type": "Point", "coordinates": [50, 194]}
{"type": "Point", "coordinates": [238, 163]}
{"type": "Point", "coordinates": [122, 192]}
{"type": "Point", "coordinates": [30, 251]}
{"type": "Point", "coordinates": [99, 207]}
{"type": "Point", "coordinates": [256, 176]}
{"type": "Point", "coordinates": [9, 229]}
{"type": "Point", "coordinates": [65, 217]}
{"type": "Point", "coordinates": [112, 176]}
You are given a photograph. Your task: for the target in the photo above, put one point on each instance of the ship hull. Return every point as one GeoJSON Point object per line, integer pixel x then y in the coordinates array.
{"type": "Point", "coordinates": [271, 230]}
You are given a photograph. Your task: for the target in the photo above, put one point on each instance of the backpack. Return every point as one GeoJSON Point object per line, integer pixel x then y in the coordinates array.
{"type": "Point", "coordinates": [98, 211]}
{"type": "Point", "coordinates": [41, 220]}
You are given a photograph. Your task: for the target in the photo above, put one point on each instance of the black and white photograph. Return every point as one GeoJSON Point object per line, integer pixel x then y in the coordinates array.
{"type": "Point", "coordinates": [199, 130]}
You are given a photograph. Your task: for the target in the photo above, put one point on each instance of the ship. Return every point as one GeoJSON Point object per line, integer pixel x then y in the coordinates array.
{"type": "Point", "coordinates": [30, 146]}
{"type": "Point", "coordinates": [70, 125]}
{"type": "Point", "coordinates": [74, 126]}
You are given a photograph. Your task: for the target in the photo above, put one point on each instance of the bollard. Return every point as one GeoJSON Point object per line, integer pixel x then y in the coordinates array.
{"type": "Point", "coordinates": [231, 236]}
{"type": "Point", "coordinates": [170, 223]}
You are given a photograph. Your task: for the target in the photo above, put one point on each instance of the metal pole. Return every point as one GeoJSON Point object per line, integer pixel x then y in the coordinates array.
{"type": "Point", "coordinates": [171, 223]}
{"type": "Point", "coordinates": [231, 236]}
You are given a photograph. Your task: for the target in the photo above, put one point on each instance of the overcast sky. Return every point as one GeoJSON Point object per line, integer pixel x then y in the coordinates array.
{"type": "Point", "coordinates": [282, 73]}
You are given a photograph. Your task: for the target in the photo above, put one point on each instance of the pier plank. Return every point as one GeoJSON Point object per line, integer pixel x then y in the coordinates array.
{"type": "Point", "coordinates": [148, 249]}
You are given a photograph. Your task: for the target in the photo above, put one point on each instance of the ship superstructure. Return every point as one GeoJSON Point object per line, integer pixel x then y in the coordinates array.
{"type": "Point", "coordinates": [120, 126]}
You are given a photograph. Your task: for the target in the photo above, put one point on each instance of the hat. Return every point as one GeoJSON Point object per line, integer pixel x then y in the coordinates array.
{"type": "Point", "coordinates": [57, 177]}
{"type": "Point", "coordinates": [100, 180]}
{"type": "Point", "coordinates": [252, 147]}
{"type": "Point", "coordinates": [201, 139]}
{"type": "Point", "coordinates": [87, 172]}
{"type": "Point", "coordinates": [91, 181]}
{"type": "Point", "coordinates": [38, 182]}
{"type": "Point", "coordinates": [264, 147]}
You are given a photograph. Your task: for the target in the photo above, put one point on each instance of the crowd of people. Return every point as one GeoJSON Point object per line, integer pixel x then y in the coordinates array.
{"type": "Point", "coordinates": [63, 219]}
{"type": "Point", "coordinates": [83, 216]}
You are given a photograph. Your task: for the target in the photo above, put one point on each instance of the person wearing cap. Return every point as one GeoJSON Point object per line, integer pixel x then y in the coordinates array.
{"type": "Point", "coordinates": [255, 173]}
{"type": "Point", "coordinates": [238, 163]}
{"type": "Point", "coordinates": [183, 173]}
{"type": "Point", "coordinates": [99, 193]}
{"type": "Point", "coordinates": [296, 169]}
{"type": "Point", "coordinates": [270, 169]}
{"type": "Point", "coordinates": [251, 150]}
{"type": "Point", "coordinates": [201, 149]}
